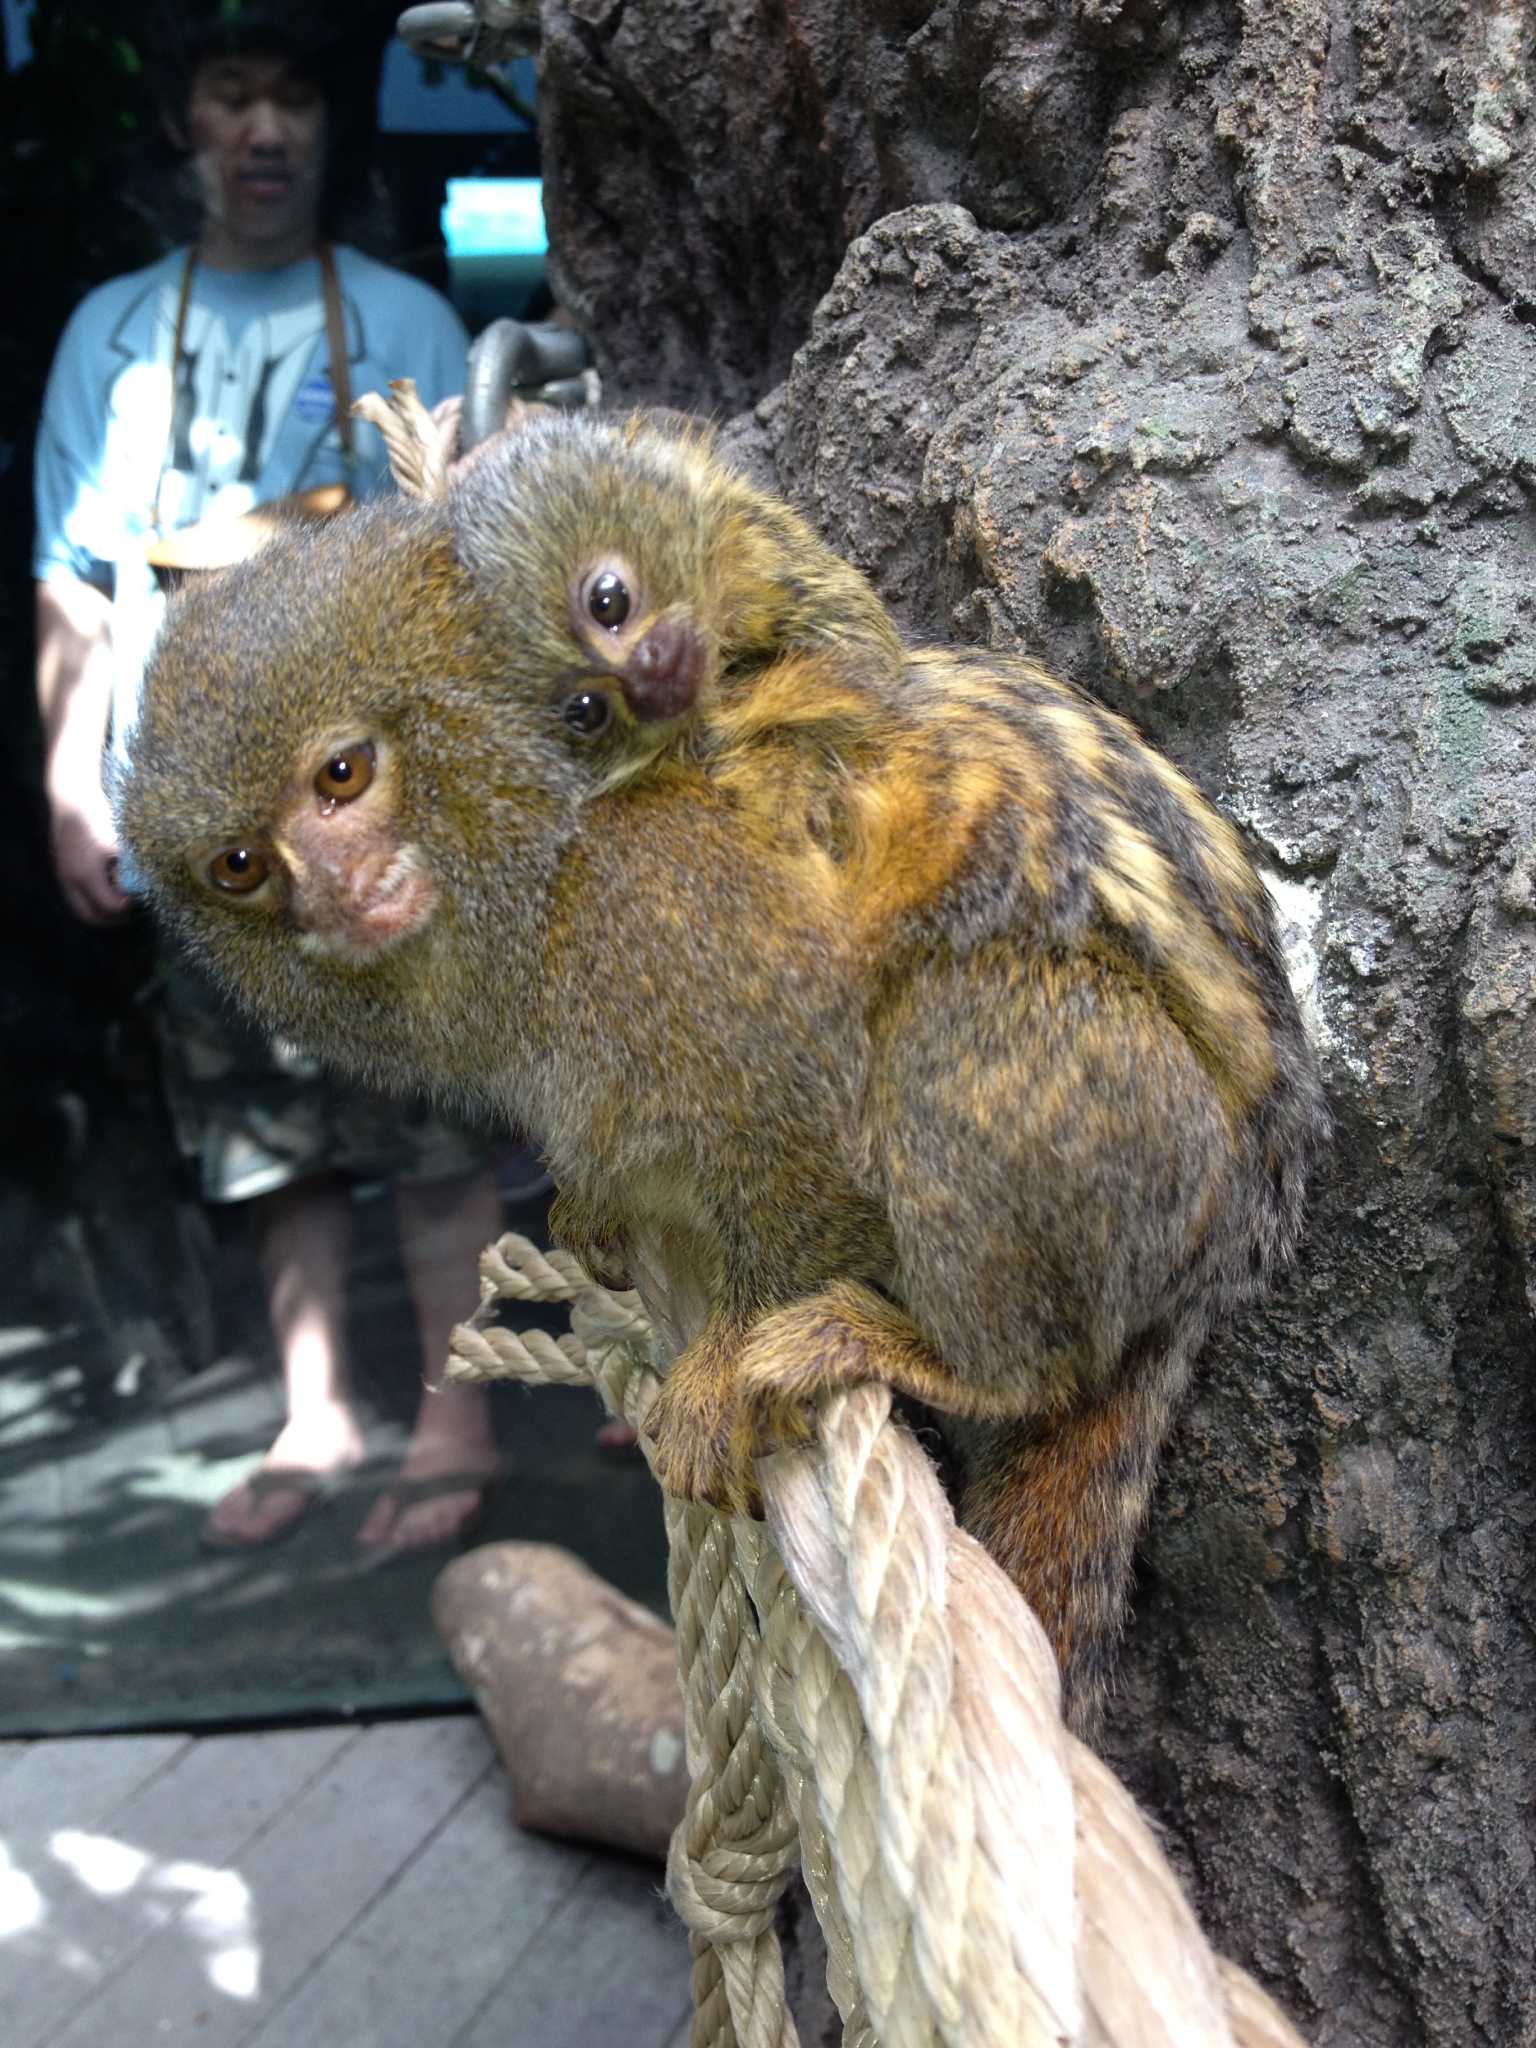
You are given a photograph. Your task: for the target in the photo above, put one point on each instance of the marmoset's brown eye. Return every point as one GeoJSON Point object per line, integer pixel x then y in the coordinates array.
{"type": "Point", "coordinates": [238, 870]}
{"type": "Point", "coordinates": [346, 774]}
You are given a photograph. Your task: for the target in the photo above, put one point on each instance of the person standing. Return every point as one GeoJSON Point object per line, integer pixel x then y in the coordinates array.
{"type": "Point", "coordinates": [182, 397]}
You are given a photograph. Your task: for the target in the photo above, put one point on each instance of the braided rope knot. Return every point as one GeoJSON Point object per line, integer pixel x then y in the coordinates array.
{"type": "Point", "coordinates": [732, 1894]}
{"type": "Point", "coordinates": [867, 1697]}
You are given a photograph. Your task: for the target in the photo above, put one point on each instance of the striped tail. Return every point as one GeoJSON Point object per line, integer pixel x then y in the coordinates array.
{"type": "Point", "coordinates": [1059, 1502]}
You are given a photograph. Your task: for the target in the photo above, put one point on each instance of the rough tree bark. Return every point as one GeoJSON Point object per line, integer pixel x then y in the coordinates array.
{"type": "Point", "coordinates": [1193, 347]}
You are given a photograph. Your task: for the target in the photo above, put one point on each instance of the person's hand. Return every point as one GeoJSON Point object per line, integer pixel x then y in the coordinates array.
{"type": "Point", "coordinates": [74, 696]}
{"type": "Point", "coordinates": [85, 859]}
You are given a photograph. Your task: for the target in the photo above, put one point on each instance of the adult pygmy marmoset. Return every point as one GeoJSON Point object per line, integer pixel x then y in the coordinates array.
{"type": "Point", "coordinates": [884, 1013]}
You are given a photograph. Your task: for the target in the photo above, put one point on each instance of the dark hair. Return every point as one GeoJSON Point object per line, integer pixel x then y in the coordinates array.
{"type": "Point", "coordinates": [341, 58]}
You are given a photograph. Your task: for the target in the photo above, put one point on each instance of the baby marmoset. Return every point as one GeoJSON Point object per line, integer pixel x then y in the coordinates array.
{"type": "Point", "coordinates": [885, 1013]}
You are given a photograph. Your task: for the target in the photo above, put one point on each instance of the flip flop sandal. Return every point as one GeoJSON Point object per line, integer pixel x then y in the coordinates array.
{"type": "Point", "coordinates": [404, 1493]}
{"type": "Point", "coordinates": [614, 1435]}
{"type": "Point", "coordinates": [310, 1488]}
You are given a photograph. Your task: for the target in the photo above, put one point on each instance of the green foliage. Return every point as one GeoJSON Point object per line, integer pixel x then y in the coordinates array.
{"type": "Point", "coordinates": [71, 112]}
{"type": "Point", "coordinates": [79, 125]}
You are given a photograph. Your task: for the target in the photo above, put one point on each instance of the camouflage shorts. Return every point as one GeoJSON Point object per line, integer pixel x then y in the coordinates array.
{"type": "Point", "coordinates": [254, 1113]}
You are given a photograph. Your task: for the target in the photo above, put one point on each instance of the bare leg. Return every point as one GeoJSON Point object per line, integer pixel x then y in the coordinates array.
{"type": "Point", "coordinates": [444, 1225]}
{"type": "Point", "coordinates": [305, 1242]}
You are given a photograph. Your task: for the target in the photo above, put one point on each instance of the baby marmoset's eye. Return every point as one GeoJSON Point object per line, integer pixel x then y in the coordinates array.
{"type": "Point", "coordinates": [607, 598]}
{"type": "Point", "coordinates": [238, 870]}
{"type": "Point", "coordinates": [347, 773]}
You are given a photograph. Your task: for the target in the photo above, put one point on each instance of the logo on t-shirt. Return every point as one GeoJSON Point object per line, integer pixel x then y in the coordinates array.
{"type": "Point", "coordinates": [314, 400]}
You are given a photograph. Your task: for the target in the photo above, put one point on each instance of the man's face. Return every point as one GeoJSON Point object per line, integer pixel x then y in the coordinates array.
{"type": "Point", "coordinates": [257, 132]}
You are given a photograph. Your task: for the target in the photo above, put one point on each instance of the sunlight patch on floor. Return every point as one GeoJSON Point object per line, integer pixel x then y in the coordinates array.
{"type": "Point", "coordinates": [21, 1903]}
{"type": "Point", "coordinates": [220, 1915]}
{"type": "Point", "coordinates": [189, 1478]}
{"type": "Point", "coordinates": [213, 1907]}
{"type": "Point", "coordinates": [104, 1866]}
{"type": "Point", "coordinates": [20, 1337]}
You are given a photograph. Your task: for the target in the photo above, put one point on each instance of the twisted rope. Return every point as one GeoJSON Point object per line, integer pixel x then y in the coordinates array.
{"type": "Point", "coordinates": [868, 1699]}
{"type": "Point", "coordinates": [420, 447]}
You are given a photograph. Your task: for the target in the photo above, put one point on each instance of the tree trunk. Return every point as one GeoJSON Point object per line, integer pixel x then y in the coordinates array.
{"type": "Point", "coordinates": [1193, 348]}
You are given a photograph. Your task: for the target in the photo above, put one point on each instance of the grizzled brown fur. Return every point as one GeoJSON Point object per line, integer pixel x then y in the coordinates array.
{"type": "Point", "coordinates": [885, 1013]}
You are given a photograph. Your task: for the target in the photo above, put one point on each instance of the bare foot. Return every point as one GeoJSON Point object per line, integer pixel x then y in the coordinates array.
{"type": "Point", "coordinates": [285, 1485]}
{"type": "Point", "coordinates": [423, 1506]}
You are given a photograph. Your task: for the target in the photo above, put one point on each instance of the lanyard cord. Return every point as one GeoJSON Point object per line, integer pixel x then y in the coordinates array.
{"type": "Point", "coordinates": [336, 345]}
{"type": "Point", "coordinates": [336, 348]}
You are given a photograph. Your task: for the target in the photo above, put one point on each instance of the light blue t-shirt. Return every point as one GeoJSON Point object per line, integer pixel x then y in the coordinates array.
{"type": "Point", "coordinates": [254, 419]}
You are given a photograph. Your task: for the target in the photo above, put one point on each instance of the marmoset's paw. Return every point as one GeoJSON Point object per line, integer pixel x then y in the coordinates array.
{"type": "Point", "coordinates": [710, 1426]}
{"type": "Point", "coordinates": [700, 1452]}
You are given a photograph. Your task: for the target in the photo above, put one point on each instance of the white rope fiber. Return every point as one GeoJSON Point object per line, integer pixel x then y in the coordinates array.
{"type": "Point", "coordinates": [869, 1702]}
